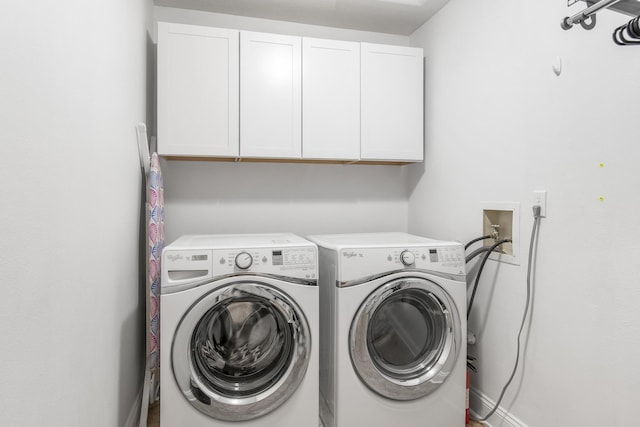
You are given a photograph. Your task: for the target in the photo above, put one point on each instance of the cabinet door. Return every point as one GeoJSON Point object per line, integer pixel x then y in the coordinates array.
{"type": "Point", "coordinates": [330, 99]}
{"type": "Point", "coordinates": [392, 103]}
{"type": "Point", "coordinates": [197, 91]}
{"type": "Point", "coordinates": [270, 98]}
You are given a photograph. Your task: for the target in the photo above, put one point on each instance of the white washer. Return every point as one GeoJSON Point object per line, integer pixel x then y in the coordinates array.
{"type": "Point", "coordinates": [239, 332]}
{"type": "Point", "coordinates": [393, 323]}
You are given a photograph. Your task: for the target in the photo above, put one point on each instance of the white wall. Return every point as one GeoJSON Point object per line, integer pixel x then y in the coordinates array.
{"type": "Point", "coordinates": [72, 88]}
{"type": "Point", "coordinates": [194, 17]}
{"type": "Point", "coordinates": [222, 197]}
{"type": "Point", "coordinates": [500, 124]}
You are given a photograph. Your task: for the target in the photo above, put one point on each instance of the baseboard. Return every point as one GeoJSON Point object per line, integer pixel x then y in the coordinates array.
{"type": "Point", "coordinates": [133, 420]}
{"type": "Point", "coordinates": [481, 405]}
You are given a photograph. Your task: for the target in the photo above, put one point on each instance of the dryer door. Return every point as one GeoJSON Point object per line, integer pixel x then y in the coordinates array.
{"type": "Point", "coordinates": [241, 350]}
{"type": "Point", "coordinates": [405, 338]}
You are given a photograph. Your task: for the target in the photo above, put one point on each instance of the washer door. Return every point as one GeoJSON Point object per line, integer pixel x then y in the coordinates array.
{"type": "Point", "coordinates": [241, 351]}
{"type": "Point", "coordinates": [405, 338]}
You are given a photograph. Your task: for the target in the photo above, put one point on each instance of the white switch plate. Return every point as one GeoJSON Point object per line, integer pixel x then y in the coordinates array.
{"type": "Point", "coordinates": [540, 198]}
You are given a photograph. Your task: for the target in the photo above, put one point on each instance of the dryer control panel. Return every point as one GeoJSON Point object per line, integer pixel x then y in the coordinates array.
{"type": "Point", "coordinates": [357, 263]}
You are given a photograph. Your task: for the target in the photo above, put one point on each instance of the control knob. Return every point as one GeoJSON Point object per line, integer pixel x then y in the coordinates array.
{"type": "Point", "coordinates": [407, 258]}
{"type": "Point", "coordinates": [244, 260]}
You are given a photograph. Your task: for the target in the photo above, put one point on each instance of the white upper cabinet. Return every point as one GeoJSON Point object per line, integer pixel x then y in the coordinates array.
{"type": "Point", "coordinates": [270, 96]}
{"type": "Point", "coordinates": [197, 91]}
{"type": "Point", "coordinates": [391, 103]}
{"type": "Point", "coordinates": [330, 99]}
{"type": "Point", "coordinates": [227, 93]}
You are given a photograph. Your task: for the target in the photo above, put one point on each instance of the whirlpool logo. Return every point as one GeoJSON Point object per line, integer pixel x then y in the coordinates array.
{"type": "Point", "coordinates": [352, 254]}
{"type": "Point", "coordinates": [175, 257]}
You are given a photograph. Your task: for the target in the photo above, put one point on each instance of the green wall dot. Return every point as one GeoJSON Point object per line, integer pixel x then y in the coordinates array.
{"type": "Point", "coordinates": [601, 198]}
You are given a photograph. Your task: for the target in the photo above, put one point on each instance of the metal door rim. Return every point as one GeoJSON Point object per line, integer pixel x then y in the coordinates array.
{"type": "Point", "coordinates": [231, 408]}
{"type": "Point", "coordinates": [418, 385]}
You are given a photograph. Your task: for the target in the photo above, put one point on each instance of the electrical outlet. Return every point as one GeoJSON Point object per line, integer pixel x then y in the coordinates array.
{"type": "Point", "coordinates": [540, 199]}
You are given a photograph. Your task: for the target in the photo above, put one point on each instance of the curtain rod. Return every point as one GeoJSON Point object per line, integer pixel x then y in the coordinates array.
{"type": "Point", "coordinates": [578, 18]}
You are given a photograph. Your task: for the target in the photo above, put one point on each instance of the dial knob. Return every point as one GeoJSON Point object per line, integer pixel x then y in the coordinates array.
{"type": "Point", "coordinates": [407, 258]}
{"type": "Point", "coordinates": [244, 260]}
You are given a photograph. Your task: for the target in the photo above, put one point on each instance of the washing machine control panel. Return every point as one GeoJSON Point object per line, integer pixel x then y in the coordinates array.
{"type": "Point", "coordinates": [298, 262]}
{"type": "Point", "coordinates": [357, 263]}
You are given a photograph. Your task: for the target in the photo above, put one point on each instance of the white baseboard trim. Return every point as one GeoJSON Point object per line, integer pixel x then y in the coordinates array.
{"type": "Point", "coordinates": [481, 403]}
{"type": "Point", "coordinates": [133, 420]}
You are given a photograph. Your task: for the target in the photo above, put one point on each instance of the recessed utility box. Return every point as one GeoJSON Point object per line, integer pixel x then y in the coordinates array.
{"type": "Point", "coordinates": [502, 221]}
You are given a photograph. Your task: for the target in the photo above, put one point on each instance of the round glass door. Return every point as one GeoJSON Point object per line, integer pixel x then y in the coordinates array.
{"type": "Point", "coordinates": [405, 338]}
{"type": "Point", "coordinates": [241, 351]}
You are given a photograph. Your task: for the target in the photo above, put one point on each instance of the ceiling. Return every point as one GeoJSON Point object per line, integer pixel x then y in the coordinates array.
{"type": "Point", "coordinates": [401, 17]}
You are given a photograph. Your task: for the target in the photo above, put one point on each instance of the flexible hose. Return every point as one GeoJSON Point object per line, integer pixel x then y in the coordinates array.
{"type": "Point", "coordinates": [484, 261]}
{"type": "Point", "coordinates": [478, 239]}
{"type": "Point", "coordinates": [534, 232]}
{"type": "Point", "coordinates": [475, 253]}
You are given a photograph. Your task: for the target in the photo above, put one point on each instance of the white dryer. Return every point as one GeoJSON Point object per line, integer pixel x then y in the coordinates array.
{"type": "Point", "coordinates": [239, 332]}
{"type": "Point", "coordinates": [393, 322]}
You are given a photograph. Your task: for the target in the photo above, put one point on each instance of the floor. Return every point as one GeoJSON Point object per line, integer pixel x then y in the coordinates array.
{"type": "Point", "coordinates": [154, 418]}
